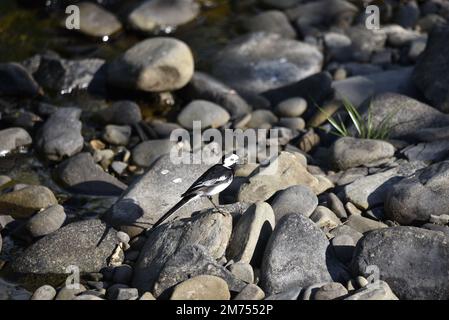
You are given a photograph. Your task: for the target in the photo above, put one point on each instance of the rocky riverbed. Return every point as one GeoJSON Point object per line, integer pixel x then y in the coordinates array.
{"type": "Point", "coordinates": [85, 166]}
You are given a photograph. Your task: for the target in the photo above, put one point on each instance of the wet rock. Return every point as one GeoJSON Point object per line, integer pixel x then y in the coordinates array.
{"type": "Point", "coordinates": [49, 255]}
{"type": "Point", "coordinates": [272, 21]}
{"type": "Point", "coordinates": [210, 115]}
{"type": "Point", "coordinates": [152, 16]}
{"type": "Point", "coordinates": [378, 290]}
{"type": "Point", "coordinates": [16, 81]}
{"type": "Point", "coordinates": [150, 196]}
{"type": "Point", "coordinates": [65, 76]}
{"type": "Point", "coordinates": [61, 136]}
{"type": "Point", "coordinates": [348, 152]}
{"type": "Point", "coordinates": [411, 260]}
{"type": "Point", "coordinates": [189, 262]}
{"type": "Point", "coordinates": [275, 177]}
{"type": "Point", "coordinates": [154, 65]}
{"type": "Point", "coordinates": [295, 199]}
{"type": "Point", "coordinates": [431, 71]}
{"type": "Point", "coordinates": [13, 138]}
{"type": "Point", "coordinates": [205, 87]}
{"type": "Point", "coordinates": [250, 292]}
{"type": "Point", "coordinates": [202, 288]}
{"type": "Point", "coordinates": [295, 255]}
{"type": "Point", "coordinates": [23, 203]}
{"type": "Point", "coordinates": [118, 135]}
{"type": "Point", "coordinates": [80, 174]}
{"type": "Point", "coordinates": [96, 21]}
{"type": "Point", "coordinates": [416, 198]}
{"type": "Point", "coordinates": [211, 230]}
{"type": "Point", "coordinates": [46, 221]}
{"type": "Point", "coordinates": [259, 61]}
{"type": "Point", "coordinates": [293, 107]}
{"type": "Point", "coordinates": [367, 192]}
{"type": "Point", "coordinates": [121, 113]}
{"type": "Point", "coordinates": [331, 291]}
{"type": "Point", "coordinates": [251, 234]}
{"type": "Point", "coordinates": [44, 293]}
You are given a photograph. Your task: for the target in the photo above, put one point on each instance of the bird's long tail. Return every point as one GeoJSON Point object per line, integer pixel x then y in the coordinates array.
{"type": "Point", "coordinates": [175, 208]}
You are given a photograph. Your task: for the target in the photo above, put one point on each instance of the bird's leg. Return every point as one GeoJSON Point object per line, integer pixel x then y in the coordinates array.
{"type": "Point", "coordinates": [211, 201]}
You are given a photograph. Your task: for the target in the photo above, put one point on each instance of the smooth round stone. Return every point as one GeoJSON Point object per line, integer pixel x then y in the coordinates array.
{"type": "Point", "coordinates": [44, 293]}
{"type": "Point", "coordinates": [334, 203]}
{"type": "Point", "coordinates": [204, 287]}
{"type": "Point", "coordinates": [209, 113]}
{"type": "Point", "coordinates": [271, 21]}
{"type": "Point", "coordinates": [331, 291]}
{"type": "Point", "coordinates": [46, 221]}
{"type": "Point", "coordinates": [154, 65]}
{"type": "Point", "coordinates": [292, 123]}
{"type": "Point", "coordinates": [250, 292]}
{"type": "Point", "coordinates": [24, 202]}
{"type": "Point", "coordinates": [147, 152]}
{"type": "Point", "coordinates": [87, 297]}
{"type": "Point", "coordinates": [242, 271]}
{"type": "Point", "coordinates": [13, 138]}
{"type": "Point", "coordinates": [293, 107]}
{"type": "Point", "coordinates": [118, 135]}
{"type": "Point", "coordinates": [123, 112]}
{"type": "Point", "coordinates": [96, 21]}
{"type": "Point", "coordinates": [66, 293]}
{"type": "Point", "coordinates": [164, 129]}
{"type": "Point", "coordinates": [150, 16]}
{"type": "Point", "coordinates": [296, 199]}
{"type": "Point", "coordinates": [262, 119]}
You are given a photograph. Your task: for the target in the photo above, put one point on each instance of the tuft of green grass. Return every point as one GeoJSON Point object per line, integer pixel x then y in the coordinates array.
{"type": "Point", "coordinates": [365, 127]}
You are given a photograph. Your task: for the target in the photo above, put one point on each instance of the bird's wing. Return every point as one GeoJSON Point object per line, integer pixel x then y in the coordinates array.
{"type": "Point", "coordinates": [216, 173]}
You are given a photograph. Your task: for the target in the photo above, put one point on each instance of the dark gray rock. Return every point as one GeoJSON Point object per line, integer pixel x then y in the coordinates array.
{"type": "Point", "coordinates": [416, 198]}
{"type": "Point", "coordinates": [407, 14]}
{"type": "Point", "coordinates": [191, 261]}
{"type": "Point", "coordinates": [46, 221]}
{"type": "Point", "coordinates": [13, 138]}
{"type": "Point", "coordinates": [16, 81]}
{"type": "Point", "coordinates": [211, 230]}
{"type": "Point", "coordinates": [156, 15]}
{"type": "Point", "coordinates": [122, 113]}
{"type": "Point", "coordinates": [295, 255]}
{"type": "Point", "coordinates": [159, 189]}
{"type": "Point", "coordinates": [61, 136]}
{"type": "Point", "coordinates": [272, 21]}
{"type": "Point", "coordinates": [147, 152]}
{"type": "Point", "coordinates": [153, 65]}
{"type": "Point", "coordinates": [296, 199]}
{"type": "Point", "coordinates": [261, 61]}
{"type": "Point", "coordinates": [431, 73]}
{"type": "Point", "coordinates": [80, 174]}
{"type": "Point", "coordinates": [205, 87]}
{"type": "Point", "coordinates": [413, 261]}
{"type": "Point", "coordinates": [281, 4]}
{"type": "Point", "coordinates": [64, 76]}
{"type": "Point", "coordinates": [75, 244]}
{"type": "Point", "coordinates": [348, 152]}
{"type": "Point", "coordinates": [427, 151]}
{"type": "Point", "coordinates": [123, 274]}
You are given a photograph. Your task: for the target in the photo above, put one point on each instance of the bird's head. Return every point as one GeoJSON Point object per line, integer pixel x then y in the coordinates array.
{"type": "Point", "coordinates": [230, 160]}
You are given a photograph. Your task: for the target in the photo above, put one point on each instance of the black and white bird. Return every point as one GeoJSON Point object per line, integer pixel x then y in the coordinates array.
{"type": "Point", "coordinates": [212, 182]}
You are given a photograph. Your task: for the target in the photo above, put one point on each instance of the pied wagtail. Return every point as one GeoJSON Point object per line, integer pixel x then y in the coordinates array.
{"type": "Point", "coordinates": [213, 181]}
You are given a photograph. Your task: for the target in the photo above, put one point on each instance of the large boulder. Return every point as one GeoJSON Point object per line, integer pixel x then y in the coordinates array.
{"type": "Point", "coordinates": [413, 261]}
